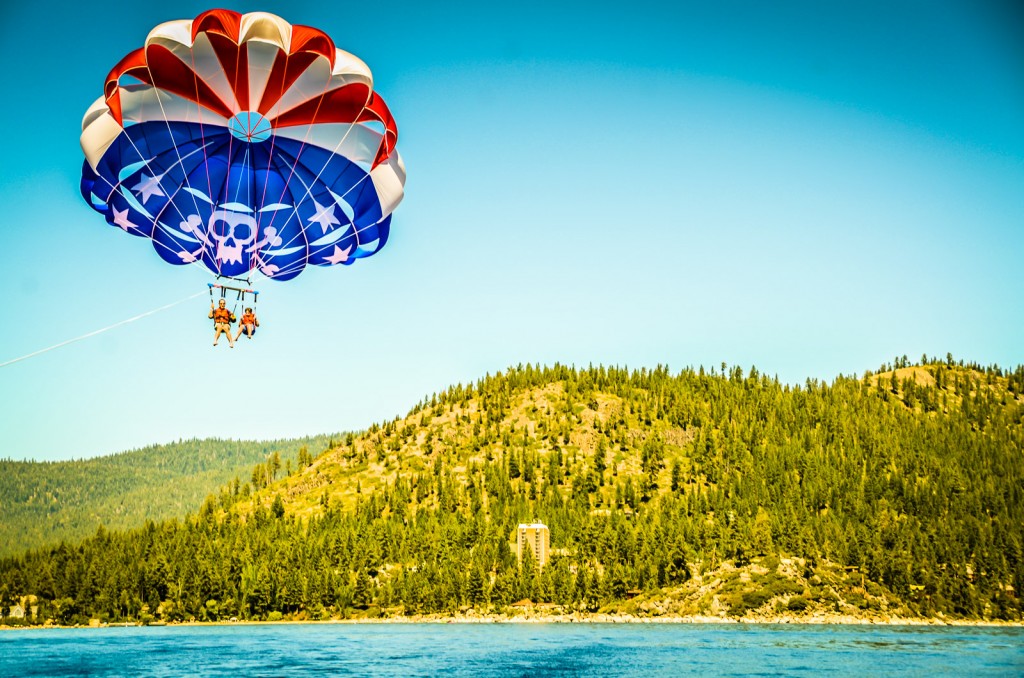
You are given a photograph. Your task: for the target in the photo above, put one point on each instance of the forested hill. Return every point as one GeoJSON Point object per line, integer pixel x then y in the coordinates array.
{"type": "Point", "coordinates": [705, 492]}
{"type": "Point", "coordinates": [47, 502]}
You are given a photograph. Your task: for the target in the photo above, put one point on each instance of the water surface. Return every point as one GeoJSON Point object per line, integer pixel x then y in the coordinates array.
{"type": "Point", "coordinates": [514, 649]}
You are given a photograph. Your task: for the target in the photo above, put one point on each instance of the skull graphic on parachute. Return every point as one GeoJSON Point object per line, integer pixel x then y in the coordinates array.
{"type": "Point", "coordinates": [246, 145]}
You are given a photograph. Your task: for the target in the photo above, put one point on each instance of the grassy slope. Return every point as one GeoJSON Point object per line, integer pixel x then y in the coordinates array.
{"type": "Point", "coordinates": [344, 475]}
{"type": "Point", "coordinates": [339, 472]}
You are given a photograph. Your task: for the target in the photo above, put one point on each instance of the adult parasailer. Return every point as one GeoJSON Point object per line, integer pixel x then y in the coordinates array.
{"type": "Point", "coordinates": [244, 144]}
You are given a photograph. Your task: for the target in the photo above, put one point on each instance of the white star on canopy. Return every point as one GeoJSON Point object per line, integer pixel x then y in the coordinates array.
{"type": "Point", "coordinates": [339, 255]}
{"type": "Point", "coordinates": [121, 219]}
{"type": "Point", "coordinates": [149, 186]}
{"type": "Point", "coordinates": [324, 216]}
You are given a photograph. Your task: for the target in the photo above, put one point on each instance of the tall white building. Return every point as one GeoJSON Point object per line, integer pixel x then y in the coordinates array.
{"type": "Point", "coordinates": [533, 540]}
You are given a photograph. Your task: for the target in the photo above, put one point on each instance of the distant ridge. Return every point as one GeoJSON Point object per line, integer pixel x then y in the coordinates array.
{"type": "Point", "coordinates": [48, 502]}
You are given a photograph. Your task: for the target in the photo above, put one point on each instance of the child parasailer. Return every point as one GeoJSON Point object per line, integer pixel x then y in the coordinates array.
{"type": "Point", "coordinates": [247, 324]}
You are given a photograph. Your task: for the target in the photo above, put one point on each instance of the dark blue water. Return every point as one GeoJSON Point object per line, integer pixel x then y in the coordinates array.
{"type": "Point", "coordinates": [514, 650]}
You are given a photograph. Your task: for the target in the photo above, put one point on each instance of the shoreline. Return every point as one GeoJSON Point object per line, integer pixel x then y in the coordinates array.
{"type": "Point", "coordinates": [573, 618]}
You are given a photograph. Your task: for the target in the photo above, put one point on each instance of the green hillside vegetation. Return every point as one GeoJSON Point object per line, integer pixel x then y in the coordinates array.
{"type": "Point", "coordinates": [702, 493]}
{"type": "Point", "coordinates": [48, 502]}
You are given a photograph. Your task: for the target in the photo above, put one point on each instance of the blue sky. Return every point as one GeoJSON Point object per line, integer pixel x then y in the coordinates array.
{"type": "Point", "coordinates": [806, 187]}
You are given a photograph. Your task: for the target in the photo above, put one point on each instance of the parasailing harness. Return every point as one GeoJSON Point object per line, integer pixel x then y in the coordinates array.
{"type": "Point", "coordinates": [239, 294]}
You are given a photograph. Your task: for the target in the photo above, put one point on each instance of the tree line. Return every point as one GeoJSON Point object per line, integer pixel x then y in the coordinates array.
{"type": "Point", "coordinates": [47, 502]}
{"type": "Point", "coordinates": [909, 478]}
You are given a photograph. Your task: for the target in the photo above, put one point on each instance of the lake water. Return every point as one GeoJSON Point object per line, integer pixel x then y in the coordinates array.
{"type": "Point", "coordinates": [514, 649]}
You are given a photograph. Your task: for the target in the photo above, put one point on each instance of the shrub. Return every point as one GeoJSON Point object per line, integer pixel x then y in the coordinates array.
{"type": "Point", "coordinates": [797, 604]}
{"type": "Point", "coordinates": [857, 600]}
{"type": "Point", "coordinates": [781, 587]}
{"type": "Point", "coordinates": [755, 599]}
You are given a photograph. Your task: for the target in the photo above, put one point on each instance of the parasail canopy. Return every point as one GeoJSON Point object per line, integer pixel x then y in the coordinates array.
{"type": "Point", "coordinates": [243, 143]}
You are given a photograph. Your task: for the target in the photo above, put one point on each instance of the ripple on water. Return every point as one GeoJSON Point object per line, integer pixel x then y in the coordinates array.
{"type": "Point", "coordinates": [513, 649]}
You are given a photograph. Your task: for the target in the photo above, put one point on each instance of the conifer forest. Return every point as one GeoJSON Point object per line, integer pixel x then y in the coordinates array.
{"type": "Point", "coordinates": [706, 491]}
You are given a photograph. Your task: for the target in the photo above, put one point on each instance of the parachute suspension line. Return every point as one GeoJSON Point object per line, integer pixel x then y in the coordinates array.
{"type": "Point", "coordinates": [308, 189]}
{"type": "Point", "coordinates": [202, 129]}
{"type": "Point", "coordinates": [344, 138]}
{"type": "Point", "coordinates": [250, 189]}
{"type": "Point", "coordinates": [180, 160]}
{"type": "Point", "coordinates": [305, 142]}
{"type": "Point", "coordinates": [198, 260]}
{"type": "Point", "coordinates": [230, 157]}
{"type": "Point", "coordinates": [177, 151]}
{"type": "Point", "coordinates": [141, 157]}
{"type": "Point", "coordinates": [240, 293]}
{"type": "Point", "coordinates": [206, 157]}
{"type": "Point", "coordinates": [258, 274]}
{"type": "Point", "coordinates": [263, 276]}
{"type": "Point", "coordinates": [101, 330]}
{"type": "Point", "coordinates": [271, 114]}
{"type": "Point", "coordinates": [305, 137]}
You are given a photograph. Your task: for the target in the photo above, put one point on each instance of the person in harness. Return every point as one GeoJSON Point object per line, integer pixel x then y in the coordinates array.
{"type": "Point", "coordinates": [247, 324]}
{"type": "Point", "coordinates": [222, 319]}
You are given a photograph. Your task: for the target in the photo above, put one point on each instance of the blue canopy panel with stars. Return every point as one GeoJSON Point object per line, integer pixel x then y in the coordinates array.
{"type": "Point", "coordinates": [243, 170]}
